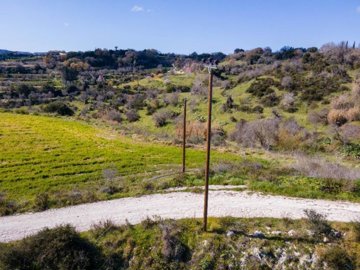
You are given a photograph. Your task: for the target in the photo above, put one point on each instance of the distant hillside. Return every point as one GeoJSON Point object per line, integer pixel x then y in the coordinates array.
{"type": "Point", "coordinates": [4, 51]}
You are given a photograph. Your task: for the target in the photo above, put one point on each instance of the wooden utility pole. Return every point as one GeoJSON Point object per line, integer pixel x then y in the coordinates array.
{"type": "Point", "coordinates": [208, 145]}
{"type": "Point", "coordinates": [184, 139]}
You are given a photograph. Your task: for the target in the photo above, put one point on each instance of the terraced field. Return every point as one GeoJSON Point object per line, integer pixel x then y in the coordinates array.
{"type": "Point", "coordinates": [46, 154]}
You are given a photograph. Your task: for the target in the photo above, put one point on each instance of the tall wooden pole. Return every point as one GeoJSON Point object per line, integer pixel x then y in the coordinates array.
{"type": "Point", "coordinates": [208, 144]}
{"type": "Point", "coordinates": [184, 139]}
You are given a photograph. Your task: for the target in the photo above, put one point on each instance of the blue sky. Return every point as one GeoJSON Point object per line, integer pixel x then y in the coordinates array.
{"type": "Point", "coordinates": [175, 26]}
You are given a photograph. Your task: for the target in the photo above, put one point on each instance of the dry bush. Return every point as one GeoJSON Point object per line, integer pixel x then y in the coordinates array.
{"type": "Point", "coordinates": [102, 228]}
{"type": "Point", "coordinates": [196, 133]}
{"type": "Point", "coordinates": [342, 116]}
{"type": "Point", "coordinates": [172, 99]}
{"type": "Point", "coordinates": [172, 247]}
{"type": "Point", "coordinates": [263, 132]}
{"type": "Point", "coordinates": [350, 132]}
{"type": "Point", "coordinates": [319, 168]}
{"type": "Point", "coordinates": [200, 85]}
{"type": "Point", "coordinates": [287, 102]}
{"type": "Point", "coordinates": [318, 224]}
{"type": "Point", "coordinates": [343, 102]}
{"type": "Point", "coordinates": [320, 117]}
{"type": "Point", "coordinates": [356, 90]}
{"type": "Point", "coordinates": [162, 117]}
{"type": "Point", "coordinates": [353, 114]}
{"type": "Point", "coordinates": [337, 117]}
{"type": "Point", "coordinates": [114, 115]}
{"type": "Point", "coordinates": [286, 141]}
{"type": "Point", "coordinates": [42, 202]}
{"type": "Point", "coordinates": [291, 135]}
{"type": "Point", "coordinates": [132, 115]}
{"type": "Point", "coordinates": [345, 108]}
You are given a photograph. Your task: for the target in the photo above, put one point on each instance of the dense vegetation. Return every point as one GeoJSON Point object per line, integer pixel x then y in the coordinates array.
{"type": "Point", "coordinates": [289, 118]}
{"type": "Point", "coordinates": [167, 244]}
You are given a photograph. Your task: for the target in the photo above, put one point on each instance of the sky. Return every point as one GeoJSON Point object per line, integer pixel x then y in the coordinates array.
{"type": "Point", "coordinates": [182, 26]}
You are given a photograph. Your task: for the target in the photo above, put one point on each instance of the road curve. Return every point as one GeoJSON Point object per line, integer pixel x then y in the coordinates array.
{"type": "Point", "coordinates": [174, 205]}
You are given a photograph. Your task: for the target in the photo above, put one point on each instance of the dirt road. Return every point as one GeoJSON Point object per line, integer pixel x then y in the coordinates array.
{"type": "Point", "coordinates": [174, 205]}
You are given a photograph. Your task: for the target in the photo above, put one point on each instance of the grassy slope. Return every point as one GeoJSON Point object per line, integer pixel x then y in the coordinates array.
{"type": "Point", "coordinates": [41, 154]}
{"type": "Point", "coordinates": [67, 158]}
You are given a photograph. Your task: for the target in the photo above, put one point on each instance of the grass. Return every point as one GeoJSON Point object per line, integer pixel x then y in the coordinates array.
{"type": "Point", "coordinates": [50, 162]}
{"type": "Point", "coordinates": [52, 155]}
{"type": "Point", "coordinates": [181, 244]}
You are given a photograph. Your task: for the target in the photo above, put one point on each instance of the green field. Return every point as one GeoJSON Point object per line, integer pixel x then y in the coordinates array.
{"type": "Point", "coordinates": [46, 154]}
{"type": "Point", "coordinates": [53, 162]}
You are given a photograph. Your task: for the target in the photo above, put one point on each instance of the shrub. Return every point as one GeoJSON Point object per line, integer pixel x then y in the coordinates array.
{"type": "Point", "coordinates": [162, 117]}
{"type": "Point", "coordinates": [337, 258]}
{"type": "Point", "coordinates": [270, 100]}
{"type": "Point", "coordinates": [318, 223]}
{"type": "Point", "coordinates": [6, 207]}
{"type": "Point", "coordinates": [352, 149]}
{"type": "Point", "coordinates": [263, 132]}
{"type": "Point", "coordinates": [199, 86]}
{"type": "Point", "coordinates": [195, 132]}
{"type": "Point", "coordinates": [320, 117]}
{"type": "Point", "coordinates": [172, 99]}
{"type": "Point", "coordinates": [136, 102]}
{"type": "Point", "coordinates": [342, 102]}
{"type": "Point", "coordinates": [316, 167]}
{"type": "Point", "coordinates": [290, 135]}
{"type": "Point", "coordinates": [353, 114]}
{"type": "Point", "coordinates": [172, 247]}
{"type": "Point", "coordinates": [42, 202]}
{"type": "Point", "coordinates": [356, 226]}
{"type": "Point", "coordinates": [287, 103]}
{"type": "Point", "coordinates": [228, 105]}
{"type": "Point", "coordinates": [337, 117]}
{"type": "Point", "coordinates": [132, 116]}
{"type": "Point", "coordinates": [152, 106]}
{"type": "Point", "coordinates": [102, 228]}
{"type": "Point", "coordinates": [350, 133]}
{"type": "Point", "coordinates": [345, 108]}
{"type": "Point", "coordinates": [262, 87]}
{"type": "Point", "coordinates": [59, 107]}
{"type": "Point", "coordinates": [59, 248]}
{"type": "Point", "coordinates": [218, 136]}
{"type": "Point", "coordinates": [114, 115]}
{"type": "Point", "coordinates": [257, 109]}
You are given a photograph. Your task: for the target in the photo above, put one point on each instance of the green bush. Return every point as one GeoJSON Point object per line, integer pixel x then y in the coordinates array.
{"type": "Point", "coordinates": [59, 107]}
{"type": "Point", "coordinates": [336, 258]}
{"type": "Point", "coordinates": [59, 248]}
{"type": "Point", "coordinates": [352, 149]}
{"type": "Point", "coordinates": [262, 87]}
{"type": "Point", "coordinates": [6, 207]}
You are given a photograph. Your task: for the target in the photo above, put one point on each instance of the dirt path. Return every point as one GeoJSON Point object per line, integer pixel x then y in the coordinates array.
{"type": "Point", "coordinates": [173, 205]}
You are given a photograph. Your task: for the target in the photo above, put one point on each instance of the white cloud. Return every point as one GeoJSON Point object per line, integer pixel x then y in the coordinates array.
{"type": "Point", "coordinates": [358, 9]}
{"type": "Point", "coordinates": [137, 8]}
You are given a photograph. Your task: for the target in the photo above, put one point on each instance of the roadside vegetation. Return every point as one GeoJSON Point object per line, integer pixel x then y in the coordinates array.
{"type": "Point", "coordinates": [230, 243]}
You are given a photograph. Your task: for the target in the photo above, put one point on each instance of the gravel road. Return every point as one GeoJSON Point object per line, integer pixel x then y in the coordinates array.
{"type": "Point", "coordinates": [175, 205]}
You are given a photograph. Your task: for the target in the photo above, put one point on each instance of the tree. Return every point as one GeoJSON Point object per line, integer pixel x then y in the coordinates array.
{"type": "Point", "coordinates": [69, 74]}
